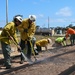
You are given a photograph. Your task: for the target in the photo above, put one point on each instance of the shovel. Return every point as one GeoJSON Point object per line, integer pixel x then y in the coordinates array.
{"type": "Point", "coordinates": [24, 56]}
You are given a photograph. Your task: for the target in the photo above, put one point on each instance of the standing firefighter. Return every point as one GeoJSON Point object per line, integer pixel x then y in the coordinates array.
{"type": "Point", "coordinates": [42, 43]}
{"type": "Point", "coordinates": [71, 32]}
{"type": "Point", "coordinates": [27, 29]}
{"type": "Point", "coordinates": [9, 32]}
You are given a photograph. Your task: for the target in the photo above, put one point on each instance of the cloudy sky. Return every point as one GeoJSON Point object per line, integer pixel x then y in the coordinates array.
{"type": "Point", "coordinates": [48, 12]}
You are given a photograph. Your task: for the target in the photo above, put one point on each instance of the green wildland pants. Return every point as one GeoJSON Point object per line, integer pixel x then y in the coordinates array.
{"type": "Point", "coordinates": [6, 49]}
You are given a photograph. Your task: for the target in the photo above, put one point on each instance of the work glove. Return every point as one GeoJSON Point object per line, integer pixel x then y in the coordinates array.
{"type": "Point", "coordinates": [26, 30]}
{"type": "Point", "coordinates": [29, 38]}
{"type": "Point", "coordinates": [19, 48]}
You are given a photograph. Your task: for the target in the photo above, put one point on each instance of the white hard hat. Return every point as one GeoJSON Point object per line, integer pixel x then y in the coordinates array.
{"type": "Point", "coordinates": [50, 41]}
{"type": "Point", "coordinates": [32, 17]}
{"type": "Point", "coordinates": [19, 18]}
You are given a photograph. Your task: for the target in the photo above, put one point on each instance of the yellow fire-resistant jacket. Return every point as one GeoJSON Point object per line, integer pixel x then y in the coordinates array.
{"type": "Point", "coordinates": [42, 42]}
{"type": "Point", "coordinates": [30, 30]}
{"type": "Point", "coordinates": [9, 29]}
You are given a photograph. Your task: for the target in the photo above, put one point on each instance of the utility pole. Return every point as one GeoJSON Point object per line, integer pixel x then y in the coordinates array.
{"type": "Point", "coordinates": [6, 11]}
{"type": "Point", "coordinates": [48, 22]}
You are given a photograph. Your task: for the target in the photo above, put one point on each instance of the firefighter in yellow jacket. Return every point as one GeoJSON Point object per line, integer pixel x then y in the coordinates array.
{"type": "Point", "coordinates": [42, 43]}
{"type": "Point", "coordinates": [27, 30]}
{"type": "Point", "coordinates": [9, 33]}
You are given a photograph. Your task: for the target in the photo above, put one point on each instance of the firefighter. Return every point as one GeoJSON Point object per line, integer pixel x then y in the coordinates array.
{"type": "Point", "coordinates": [43, 43]}
{"type": "Point", "coordinates": [9, 32]}
{"type": "Point", "coordinates": [60, 41]}
{"type": "Point", "coordinates": [71, 32]}
{"type": "Point", "coordinates": [27, 30]}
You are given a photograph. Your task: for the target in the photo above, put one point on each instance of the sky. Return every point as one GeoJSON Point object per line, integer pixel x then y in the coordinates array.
{"type": "Point", "coordinates": [49, 13]}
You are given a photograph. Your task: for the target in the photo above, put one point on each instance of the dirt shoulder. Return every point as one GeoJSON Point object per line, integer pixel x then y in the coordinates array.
{"type": "Point", "coordinates": [55, 61]}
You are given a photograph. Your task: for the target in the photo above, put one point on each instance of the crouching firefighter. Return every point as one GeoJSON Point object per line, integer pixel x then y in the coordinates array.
{"type": "Point", "coordinates": [60, 41]}
{"type": "Point", "coordinates": [43, 43]}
